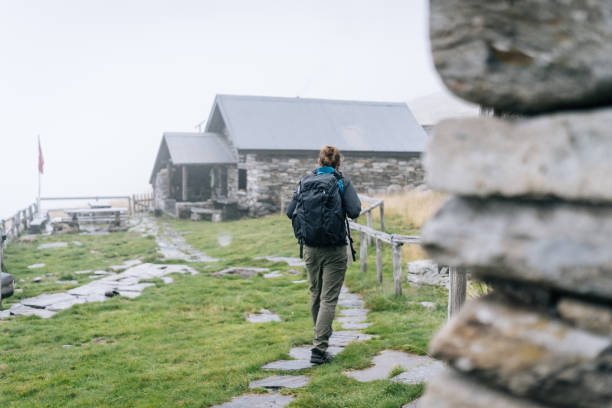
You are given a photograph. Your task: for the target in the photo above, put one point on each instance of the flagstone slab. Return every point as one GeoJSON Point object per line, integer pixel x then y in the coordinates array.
{"type": "Point", "coordinates": [350, 300]}
{"type": "Point", "coordinates": [273, 274]}
{"type": "Point", "coordinates": [264, 316]}
{"type": "Point", "coordinates": [277, 382]}
{"type": "Point", "coordinates": [420, 374]}
{"type": "Point", "coordinates": [354, 312]}
{"type": "Point", "coordinates": [44, 300]}
{"type": "Point", "coordinates": [288, 365]}
{"type": "Point", "coordinates": [386, 361]}
{"type": "Point", "coordinates": [355, 326]}
{"type": "Point", "coordinates": [343, 338]}
{"type": "Point", "coordinates": [240, 271]}
{"type": "Point", "coordinates": [299, 281]}
{"type": "Point", "coordinates": [352, 319]}
{"type": "Point", "coordinates": [289, 261]}
{"type": "Point", "coordinates": [17, 309]}
{"type": "Point", "coordinates": [303, 352]}
{"type": "Point", "coordinates": [52, 245]}
{"type": "Point", "coordinates": [258, 401]}
{"type": "Point", "coordinates": [85, 272]}
{"type": "Point", "coordinates": [36, 266]}
{"type": "Point", "coordinates": [67, 304]}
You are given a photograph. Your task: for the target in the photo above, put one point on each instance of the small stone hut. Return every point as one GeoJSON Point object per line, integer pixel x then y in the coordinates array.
{"type": "Point", "coordinates": [254, 149]}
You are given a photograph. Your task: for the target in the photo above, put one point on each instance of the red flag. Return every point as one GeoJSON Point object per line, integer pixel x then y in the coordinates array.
{"type": "Point", "coordinates": [41, 161]}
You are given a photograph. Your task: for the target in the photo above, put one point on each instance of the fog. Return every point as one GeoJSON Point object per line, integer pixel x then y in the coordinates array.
{"type": "Point", "coordinates": [100, 81]}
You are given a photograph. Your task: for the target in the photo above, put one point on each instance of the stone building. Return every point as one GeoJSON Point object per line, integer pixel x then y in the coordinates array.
{"type": "Point", "coordinates": [254, 150]}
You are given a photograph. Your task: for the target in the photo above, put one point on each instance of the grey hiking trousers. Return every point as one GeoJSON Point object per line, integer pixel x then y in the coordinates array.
{"type": "Point", "coordinates": [326, 267]}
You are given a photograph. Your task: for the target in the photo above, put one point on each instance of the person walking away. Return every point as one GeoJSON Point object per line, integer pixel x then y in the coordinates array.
{"type": "Point", "coordinates": [318, 213]}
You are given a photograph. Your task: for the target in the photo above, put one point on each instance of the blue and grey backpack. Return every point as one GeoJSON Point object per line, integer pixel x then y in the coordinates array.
{"type": "Point", "coordinates": [319, 218]}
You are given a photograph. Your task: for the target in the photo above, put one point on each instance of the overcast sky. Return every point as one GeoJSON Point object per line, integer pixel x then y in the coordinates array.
{"type": "Point", "coordinates": [100, 80]}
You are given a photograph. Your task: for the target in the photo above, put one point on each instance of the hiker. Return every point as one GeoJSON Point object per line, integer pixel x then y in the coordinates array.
{"type": "Point", "coordinates": [318, 213]}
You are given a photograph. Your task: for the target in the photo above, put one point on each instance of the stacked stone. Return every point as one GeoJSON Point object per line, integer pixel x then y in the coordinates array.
{"type": "Point", "coordinates": [532, 207]}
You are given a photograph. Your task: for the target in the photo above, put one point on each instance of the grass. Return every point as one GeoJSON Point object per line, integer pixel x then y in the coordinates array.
{"type": "Point", "coordinates": [187, 343]}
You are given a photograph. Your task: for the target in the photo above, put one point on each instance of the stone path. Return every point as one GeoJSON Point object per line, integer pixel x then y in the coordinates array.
{"type": "Point", "coordinates": [417, 369]}
{"type": "Point", "coordinates": [172, 246]}
{"type": "Point", "coordinates": [126, 283]}
{"type": "Point", "coordinates": [351, 305]}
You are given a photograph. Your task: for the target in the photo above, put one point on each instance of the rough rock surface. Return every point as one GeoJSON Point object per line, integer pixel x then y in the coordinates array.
{"type": "Point", "coordinates": [386, 361]}
{"type": "Point", "coordinates": [288, 365]}
{"type": "Point", "coordinates": [451, 390]}
{"type": "Point", "coordinates": [281, 381]}
{"type": "Point", "coordinates": [543, 358]}
{"type": "Point", "coordinates": [524, 56]}
{"type": "Point", "coordinates": [52, 245]}
{"type": "Point", "coordinates": [258, 401]}
{"type": "Point", "coordinates": [552, 244]}
{"type": "Point", "coordinates": [589, 316]}
{"type": "Point", "coordinates": [264, 316]}
{"type": "Point", "coordinates": [426, 272]}
{"type": "Point", "coordinates": [240, 271]}
{"type": "Point", "coordinates": [564, 155]}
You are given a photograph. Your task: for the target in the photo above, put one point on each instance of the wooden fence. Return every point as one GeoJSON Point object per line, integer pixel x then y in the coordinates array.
{"type": "Point", "coordinates": [14, 226]}
{"type": "Point", "coordinates": [142, 202]}
{"type": "Point", "coordinates": [367, 235]}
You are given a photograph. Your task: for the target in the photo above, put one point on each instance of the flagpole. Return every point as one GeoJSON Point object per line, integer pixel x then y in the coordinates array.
{"type": "Point", "coordinates": [38, 198]}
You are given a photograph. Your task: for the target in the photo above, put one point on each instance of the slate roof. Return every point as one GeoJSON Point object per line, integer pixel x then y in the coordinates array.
{"type": "Point", "coordinates": [273, 123]}
{"type": "Point", "coordinates": [198, 148]}
{"type": "Point", "coordinates": [193, 148]}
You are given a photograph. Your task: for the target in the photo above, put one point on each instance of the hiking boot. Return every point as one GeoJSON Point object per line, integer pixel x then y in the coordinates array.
{"type": "Point", "coordinates": [320, 357]}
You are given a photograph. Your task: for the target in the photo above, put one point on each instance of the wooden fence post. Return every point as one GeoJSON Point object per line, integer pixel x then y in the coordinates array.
{"type": "Point", "coordinates": [369, 221]}
{"type": "Point", "coordinates": [456, 291]}
{"type": "Point", "coordinates": [397, 267]}
{"type": "Point", "coordinates": [379, 276]}
{"type": "Point", "coordinates": [363, 251]}
{"type": "Point", "coordinates": [382, 216]}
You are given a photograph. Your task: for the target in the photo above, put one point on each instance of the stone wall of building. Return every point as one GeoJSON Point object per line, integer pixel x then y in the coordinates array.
{"type": "Point", "coordinates": [272, 176]}
{"type": "Point", "coordinates": [532, 207]}
{"type": "Point", "coordinates": [161, 189]}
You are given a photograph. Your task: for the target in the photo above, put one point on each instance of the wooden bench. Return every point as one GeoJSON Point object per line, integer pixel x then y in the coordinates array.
{"type": "Point", "coordinates": [37, 225]}
{"type": "Point", "coordinates": [97, 215]}
{"type": "Point", "coordinates": [198, 214]}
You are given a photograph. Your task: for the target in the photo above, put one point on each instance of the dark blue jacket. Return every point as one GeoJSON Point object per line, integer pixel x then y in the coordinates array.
{"type": "Point", "coordinates": [350, 200]}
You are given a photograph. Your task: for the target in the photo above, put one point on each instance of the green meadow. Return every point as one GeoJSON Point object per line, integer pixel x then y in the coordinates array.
{"type": "Point", "coordinates": [187, 344]}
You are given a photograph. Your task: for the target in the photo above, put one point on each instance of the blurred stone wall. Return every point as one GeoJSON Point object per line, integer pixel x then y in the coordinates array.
{"type": "Point", "coordinates": [532, 207]}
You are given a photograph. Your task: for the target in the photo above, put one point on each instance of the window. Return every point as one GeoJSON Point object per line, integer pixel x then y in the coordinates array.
{"type": "Point", "coordinates": [242, 179]}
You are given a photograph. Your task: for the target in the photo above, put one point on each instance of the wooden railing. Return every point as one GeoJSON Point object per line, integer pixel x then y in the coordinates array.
{"type": "Point", "coordinates": [142, 202]}
{"type": "Point", "coordinates": [14, 226]}
{"type": "Point", "coordinates": [367, 234]}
